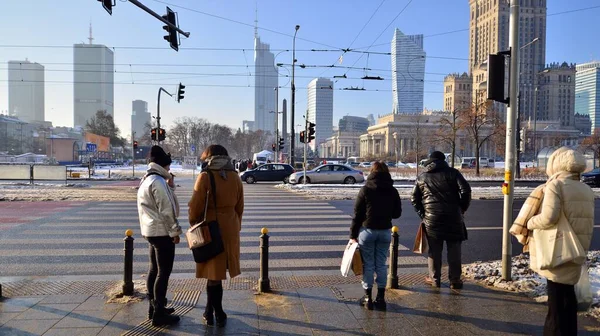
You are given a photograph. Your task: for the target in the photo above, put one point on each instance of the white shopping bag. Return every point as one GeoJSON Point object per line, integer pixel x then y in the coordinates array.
{"type": "Point", "coordinates": [347, 259]}
{"type": "Point", "coordinates": [558, 246]}
{"type": "Point", "coordinates": [583, 290]}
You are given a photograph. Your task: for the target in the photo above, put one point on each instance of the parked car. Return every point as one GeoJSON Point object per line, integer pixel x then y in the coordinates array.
{"type": "Point", "coordinates": [365, 165]}
{"type": "Point", "coordinates": [591, 178]}
{"type": "Point", "coordinates": [329, 173]}
{"type": "Point", "coordinates": [401, 164]}
{"type": "Point", "coordinates": [390, 164]}
{"type": "Point", "coordinates": [268, 172]}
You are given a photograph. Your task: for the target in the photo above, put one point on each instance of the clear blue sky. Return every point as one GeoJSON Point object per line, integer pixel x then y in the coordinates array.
{"type": "Point", "coordinates": [571, 37]}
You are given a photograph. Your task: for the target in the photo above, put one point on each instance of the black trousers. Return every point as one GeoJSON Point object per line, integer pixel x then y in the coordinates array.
{"type": "Point", "coordinates": [162, 256]}
{"type": "Point", "coordinates": [436, 247]}
{"type": "Point", "coordinates": [562, 310]}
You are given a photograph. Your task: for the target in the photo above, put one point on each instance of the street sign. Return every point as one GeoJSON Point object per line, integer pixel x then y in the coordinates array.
{"type": "Point", "coordinates": [190, 162]}
{"type": "Point", "coordinates": [91, 148]}
{"type": "Point", "coordinates": [193, 147]}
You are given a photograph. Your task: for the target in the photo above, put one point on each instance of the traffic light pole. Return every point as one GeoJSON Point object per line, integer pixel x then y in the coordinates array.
{"type": "Point", "coordinates": [132, 154]}
{"type": "Point", "coordinates": [160, 18]}
{"type": "Point", "coordinates": [306, 140]}
{"type": "Point", "coordinates": [158, 111]}
{"type": "Point", "coordinates": [511, 116]}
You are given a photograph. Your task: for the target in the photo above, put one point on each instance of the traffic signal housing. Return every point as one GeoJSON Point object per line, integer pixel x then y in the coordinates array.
{"type": "Point", "coordinates": [311, 132]}
{"type": "Point", "coordinates": [162, 134]}
{"type": "Point", "coordinates": [171, 36]}
{"type": "Point", "coordinates": [273, 147]}
{"type": "Point", "coordinates": [281, 143]}
{"type": "Point", "coordinates": [153, 134]}
{"type": "Point", "coordinates": [495, 77]}
{"type": "Point", "coordinates": [108, 5]}
{"type": "Point", "coordinates": [302, 139]}
{"type": "Point", "coordinates": [180, 92]}
{"type": "Point", "coordinates": [135, 145]}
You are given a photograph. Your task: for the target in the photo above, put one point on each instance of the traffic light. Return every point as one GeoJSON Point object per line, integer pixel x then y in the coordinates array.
{"type": "Point", "coordinates": [521, 140]}
{"type": "Point", "coordinates": [135, 145]}
{"type": "Point", "coordinates": [172, 33]}
{"type": "Point", "coordinates": [281, 142]}
{"type": "Point", "coordinates": [180, 92]}
{"type": "Point", "coordinates": [108, 5]}
{"type": "Point", "coordinates": [311, 132]}
{"type": "Point", "coordinates": [302, 136]}
{"type": "Point", "coordinates": [153, 134]}
{"type": "Point", "coordinates": [162, 134]}
{"type": "Point", "coordinates": [495, 77]}
{"type": "Point", "coordinates": [273, 147]}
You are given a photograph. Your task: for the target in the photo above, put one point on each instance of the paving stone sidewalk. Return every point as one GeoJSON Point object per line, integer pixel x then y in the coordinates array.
{"type": "Point", "coordinates": [332, 310]}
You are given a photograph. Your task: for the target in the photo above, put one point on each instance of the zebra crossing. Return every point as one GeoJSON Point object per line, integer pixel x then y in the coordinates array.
{"type": "Point", "coordinates": [305, 235]}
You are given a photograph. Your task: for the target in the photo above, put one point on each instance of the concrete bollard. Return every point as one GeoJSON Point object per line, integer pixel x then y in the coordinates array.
{"type": "Point", "coordinates": [264, 285]}
{"type": "Point", "coordinates": [128, 264]}
{"type": "Point", "coordinates": [392, 279]}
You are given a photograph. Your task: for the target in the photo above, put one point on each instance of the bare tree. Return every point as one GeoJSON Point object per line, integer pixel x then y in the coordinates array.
{"type": "Point", "coordinates": [592, 143]}
{"type": "Point", "coordinates": [442, 135]}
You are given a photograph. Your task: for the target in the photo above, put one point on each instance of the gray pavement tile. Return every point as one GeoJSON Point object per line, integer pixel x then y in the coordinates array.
{"type": "Point", "coordinates": [86, 319]}
{"type": "Point", "coordinates": [51, 311]}
{"type": "Point", "coordinates": [453, 329]}
{"type": "Point", "coordinates": [284, 328]}
{"type": "Point", "coordinates": [279, 313]}
{"type": "Point", "coordinates": [361, 312]}
{"type": "Point", "coordinates": [98, 303]}
{"type": "Point", "coordinates": [419, 318]}
{"type": "Point", "coordinates": [72, 298]}
{"type": "Point", "coordinates": [325, 304]}
{"type": "Point", "coordinates": [116, 329]}
{"type": "Point", "coordinates": [278, 299]}
{"type": "Point", "coordinates": [20, 327]}
{"type": "Point", "coordinates": [18, 304]}
{"type": "Point", "coordinates": [396, 326]}
{"type": "Point", "coordinates": [240, 307]}
{"type": "Point", "coordinates": [333, 320]}
{"type": "Point", "coordinates": [73, 331]}
{"type": "Point", "coordinates": [339, 332]}
{"type": "Point", "coordinates": [237, 325]}
{"type": "Point", "coordinates": [316, 293]}
{"type": "Point", "coordinates": [5, 317]}
{"type": "Point", "coordinates": [133, 310]}
{"type": "Point", "coordinates": [237, 295]}
{"type": "Point", "coordinates": [184, 329]}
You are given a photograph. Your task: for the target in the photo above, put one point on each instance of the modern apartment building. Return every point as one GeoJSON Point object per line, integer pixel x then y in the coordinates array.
{"type": "Point", "coordinates": [457, 92]}
{"type": "Point", "coordinates": [26, 90]}
{"type": "Point", "coordinates": [587, 92]}
{"type": "Point", "coordinates": [408, 73]}
{"type": "Point", "coordinates": [489, 34]}
{"type": "Point", "coordinates": [556, 94]}
{"type": "Point", "coordinates": [320, 109]}
{"type": "Point", "coordinates": [93, 81]}
{"type": "Point", "coordinates": [139, 118]}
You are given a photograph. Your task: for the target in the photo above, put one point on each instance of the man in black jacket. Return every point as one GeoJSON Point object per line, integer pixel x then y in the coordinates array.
{"type": "Point", "coordinates": [441, 196]}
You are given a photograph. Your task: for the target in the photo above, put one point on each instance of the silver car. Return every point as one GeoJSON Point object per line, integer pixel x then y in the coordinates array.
{"type": "Point", "coordinates": [329, 173]}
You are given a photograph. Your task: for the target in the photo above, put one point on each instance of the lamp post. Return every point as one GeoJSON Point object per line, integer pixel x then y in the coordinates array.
{"type": "Point", "coordinates": [293, 142]}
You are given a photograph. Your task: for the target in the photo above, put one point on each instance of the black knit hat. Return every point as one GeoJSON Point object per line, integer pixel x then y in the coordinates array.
{"type": "Point", "coordinates": [437, 155]}
{"type": "Point", "coordinates": [158, 156]}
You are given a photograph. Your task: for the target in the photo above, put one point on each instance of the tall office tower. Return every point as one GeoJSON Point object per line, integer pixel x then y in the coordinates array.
{"type": "Point", "coordinates": [284, 131]}
{"type": "Point", "coordinates": [556, 94]}
{"type": "Point", "coordinates": [457, 92]}
{"type": "Point", "coordinates": [265, 83]}
{"type": "Point", "coordinates": [320, 109]}
{"type": "Point", "coordinates": [488, 34]}
{"type": "Point", "coordinates": [139, 118]}
{"type": "Point", "coordinates": [93, 81]}
{"type": "Point", "coordinates": [26, 90]}
{"type": "Point", "coordinates": [587, 92]}
{"type": "Point", "coordinates": [408, 73]}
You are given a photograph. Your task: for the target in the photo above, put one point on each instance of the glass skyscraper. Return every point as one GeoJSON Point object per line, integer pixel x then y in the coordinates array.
{"type": "Point", "coordinates": [408, 73]}
{"type": "Point", "coordinates": [587, 94]}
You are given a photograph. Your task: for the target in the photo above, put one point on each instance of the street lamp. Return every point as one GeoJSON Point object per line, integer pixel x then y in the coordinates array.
{"type": "Point", "coordinates": [293, 142]}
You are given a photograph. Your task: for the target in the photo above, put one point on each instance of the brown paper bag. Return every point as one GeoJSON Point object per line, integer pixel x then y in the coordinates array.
{"type": "Point", "coordinates": [421, 245]}
{"type": "Point", "coordinates": [357, 264]}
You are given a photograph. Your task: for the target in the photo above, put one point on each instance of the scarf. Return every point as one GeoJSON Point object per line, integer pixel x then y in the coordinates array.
{"type": "Point", "coordinates": [221, 163]}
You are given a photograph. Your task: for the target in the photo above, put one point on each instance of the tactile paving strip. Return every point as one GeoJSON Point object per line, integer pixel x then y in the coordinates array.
{"type": "Point", "coordinates": [183, 302]}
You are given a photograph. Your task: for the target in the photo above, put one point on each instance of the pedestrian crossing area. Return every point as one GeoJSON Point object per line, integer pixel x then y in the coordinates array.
{"type": "Point", "coordinates": [306, 235]}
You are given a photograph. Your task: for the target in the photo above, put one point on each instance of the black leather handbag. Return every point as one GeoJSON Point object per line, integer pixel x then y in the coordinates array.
{"type": "Point", "coordinates": [215, 247]}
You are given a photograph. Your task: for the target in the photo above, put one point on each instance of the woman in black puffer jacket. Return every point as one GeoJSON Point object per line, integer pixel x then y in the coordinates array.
{"type": "Point", "coordinates": [376, 205]}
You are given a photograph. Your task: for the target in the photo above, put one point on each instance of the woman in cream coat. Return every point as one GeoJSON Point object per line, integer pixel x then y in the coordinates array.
{"type": "Point", "coordinates": [566, 200]}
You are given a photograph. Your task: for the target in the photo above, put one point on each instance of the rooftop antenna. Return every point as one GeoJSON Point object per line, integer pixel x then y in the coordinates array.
{"type": "Point", "coordinates": [256, 19]}
{"type": "Point", "coordinates": [90, 38]}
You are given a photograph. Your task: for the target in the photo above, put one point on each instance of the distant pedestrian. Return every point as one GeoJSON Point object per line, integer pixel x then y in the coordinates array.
{"type": "Point", "coordinates": [441, 196]}
{"type": "Point", "coordinates": [376, 205]}
{"type": "Point", "coordinates": [158, 210]}
{"type": "Point", "coordinates": [567, 202]}
{"type": "Point", "coordinates": [230, 206]}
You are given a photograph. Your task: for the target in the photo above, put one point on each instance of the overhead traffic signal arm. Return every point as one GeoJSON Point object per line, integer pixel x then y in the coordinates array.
{"type": "Point", "coordinates": [108, 5]}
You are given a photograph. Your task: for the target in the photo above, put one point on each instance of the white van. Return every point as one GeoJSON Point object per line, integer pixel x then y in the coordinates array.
{"type": "Point", "coordinates": [469, 162]}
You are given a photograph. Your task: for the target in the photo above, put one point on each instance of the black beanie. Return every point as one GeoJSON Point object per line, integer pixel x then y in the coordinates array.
{"type": "Point", "coordinates": [437, 155]}
{"type": "Point", "coordinates": [158, 156]}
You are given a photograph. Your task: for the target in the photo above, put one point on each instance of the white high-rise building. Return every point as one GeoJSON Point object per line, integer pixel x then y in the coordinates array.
{"type": "Point", "coordinates": [139, 118]}
{"type": "Point", "coordinates": [265, 82]}
{"type": "Point", "coordinates": [408, 73]}
{"type": "Point", "coordinates": [93, 81]}
{"type": "Point", "coordinates": [26, 90]}
{"type": "Point", "coordinates": [320, 109]}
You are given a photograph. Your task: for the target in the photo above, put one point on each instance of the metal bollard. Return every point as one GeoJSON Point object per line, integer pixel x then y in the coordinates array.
{"type": "Point", "coordinates": [392, 279]}
{"type": "Point", "coordinates": [109, 173]}
{"type": "Point", "coordinates": [264, 284]}
{"type": "Point", "coordinates": [128, 264]}
{"type": "Point", "coordinates": [0, 291]}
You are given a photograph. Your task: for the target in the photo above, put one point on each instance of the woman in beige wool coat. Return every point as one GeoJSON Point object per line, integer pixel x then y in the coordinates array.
{"type": "Point", "coordinates": [566, 200]}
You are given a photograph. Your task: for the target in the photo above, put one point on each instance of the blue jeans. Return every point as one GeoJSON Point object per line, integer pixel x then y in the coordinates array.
{"type": "Point", "coordinates": [374, 246]}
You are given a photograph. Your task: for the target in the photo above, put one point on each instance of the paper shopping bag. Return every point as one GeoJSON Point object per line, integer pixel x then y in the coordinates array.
{"type": "Point", "coordinates": [357, 264]}
{"type": "Point", "coordinates": [347, 258]}
{"type": "Point", "coordinates": [421, 245]}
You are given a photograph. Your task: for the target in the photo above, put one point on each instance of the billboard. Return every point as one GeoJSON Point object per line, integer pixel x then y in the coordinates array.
{"type": "Point", "coordinates": [102, 142]}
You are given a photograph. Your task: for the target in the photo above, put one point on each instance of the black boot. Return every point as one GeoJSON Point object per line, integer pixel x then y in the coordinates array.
{"type": "Point", "coordinates": [217, 303]}
{"type": "Point", "coordinates": [168, 311]}
{"type": "Point", "coordinates": [367, 300]}
{"type": "Point", "coordinates": [208, 315]}
{"type": "Point", "coordinates": [160, 317]}
{"type": "Point", "coordinates": [379, 302]}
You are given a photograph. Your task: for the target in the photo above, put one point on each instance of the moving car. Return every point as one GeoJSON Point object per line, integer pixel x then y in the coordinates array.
{"type": "Point", "coordinates": [268, 172]}
{"type": "Point", "coordinates": [365, 165]}
{"type": "Point", "coordinates": [329, 173]}
{"type": "Point", "coordinates": [591, 178]}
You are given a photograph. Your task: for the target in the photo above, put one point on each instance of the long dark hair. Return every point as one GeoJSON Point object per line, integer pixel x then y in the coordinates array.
{"type": "Point", "coordinates": [213, 150]}
{"type": "Point", "coordinates": [379, 167]}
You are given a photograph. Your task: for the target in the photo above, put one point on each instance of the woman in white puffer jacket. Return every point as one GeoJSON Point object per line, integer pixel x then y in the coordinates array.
{"type": "Point", "coordinates": [566, 200]}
